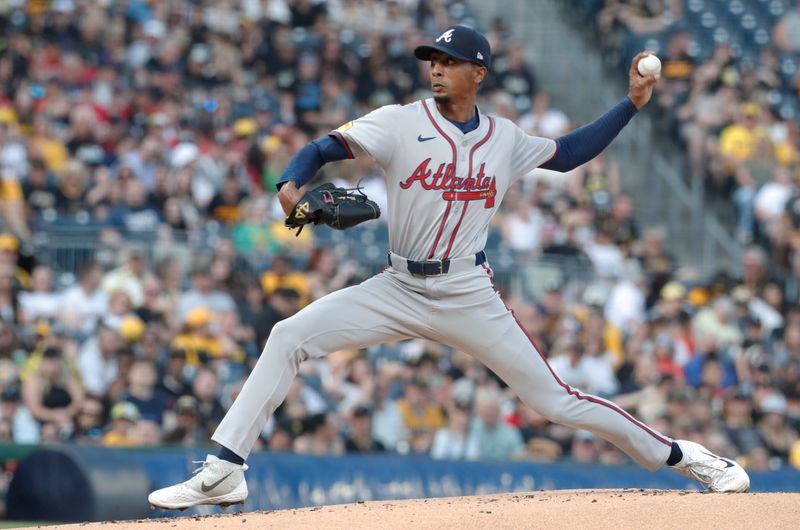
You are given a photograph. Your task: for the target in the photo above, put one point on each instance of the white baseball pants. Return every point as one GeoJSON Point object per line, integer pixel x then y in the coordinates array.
{"type": "Point", "coordinates": [460, 309]}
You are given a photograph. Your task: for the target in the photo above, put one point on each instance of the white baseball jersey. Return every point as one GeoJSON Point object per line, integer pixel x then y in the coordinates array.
{"type": "Point", "coordinates": [443, 185]}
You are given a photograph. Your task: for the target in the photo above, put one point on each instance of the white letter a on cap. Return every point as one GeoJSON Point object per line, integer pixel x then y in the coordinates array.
{"type": "Point", "coordinates": [447, 36]}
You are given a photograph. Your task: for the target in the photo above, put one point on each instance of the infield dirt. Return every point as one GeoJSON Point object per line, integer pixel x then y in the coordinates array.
{"type": "Point", "coordinates": [574, 509]}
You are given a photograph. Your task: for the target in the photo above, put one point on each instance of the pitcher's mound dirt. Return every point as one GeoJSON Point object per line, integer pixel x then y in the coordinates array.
{"type": "Point", "coordinates": [574, 509]}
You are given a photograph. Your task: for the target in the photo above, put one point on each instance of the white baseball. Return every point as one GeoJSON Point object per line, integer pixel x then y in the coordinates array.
{"type": "Point", "coordinates": [649, 65]}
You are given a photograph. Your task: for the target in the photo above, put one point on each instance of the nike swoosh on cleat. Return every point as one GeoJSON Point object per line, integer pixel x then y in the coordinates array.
{"type": "Point", "coordinates": [210, 487]}
{"type": "Point", "coordinates": [728, 463]}
{"type": "Point", "coordinates": [420, 138]}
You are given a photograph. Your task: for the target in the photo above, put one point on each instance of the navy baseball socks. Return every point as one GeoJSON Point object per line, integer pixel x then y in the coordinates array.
{"type": "Point", "coordinates": [229, 456]}
{"type": "Point", "coordinates": [674, 456]}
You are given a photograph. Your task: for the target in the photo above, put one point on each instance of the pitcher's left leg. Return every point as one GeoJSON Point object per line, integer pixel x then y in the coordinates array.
{"type": "Point", "coordinates": [517, 360]}
{"type": "Point", "coordinates": [475, 320]}
{"type": "Point", "coordinates": [523, 366]}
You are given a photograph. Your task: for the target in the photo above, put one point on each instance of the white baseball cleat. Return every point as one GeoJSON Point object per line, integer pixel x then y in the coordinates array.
{"type": "Point", "coordinates": [214, 482]}
{"type": "Point", "coordinates": [714, 472]}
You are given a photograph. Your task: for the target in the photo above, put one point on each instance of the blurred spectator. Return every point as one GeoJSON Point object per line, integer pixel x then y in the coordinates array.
{"type": "Point", "coordinates": [204, 341]}
{"type": "Point", "coordinates": [590, 373]}
{"type": "Point", "coordinates": [282, 303]}
{"type": "Point", "coordinates": [12, 206]}
{"type": "Point", "coordinates": [535, 432]}
{"type": "Point", "coordinates": [97, 360]}
{"type": "Point", "coordinates": [203, 295]}
{"type": "Point", "coordinates": [134, 216]}
{"type": "Point", "coordinates": [359, 438]}
{"type": "Point", "coordinates": [89, 421]}
{"type": "Point", "coordinates": [606, 257]}
{"type": "Point", "coordinates": [9, 299]}
{"type": "Point", "coordinates": [489, 437]}
{"type": "Point", "coordinates": [777, 436]}
{"type": "Point", "coordinates": [281, 275]}
{"type": "Point", "coordinates": [86, 301]}
{"type": "Point", "coordinates": [127, 278]}
{"type": "Point", "coordinates": [51, 390]}
{"type": "Point", "coordinates": [716, 322]}
{"type": "Point", "coordinates": [653, 253]}
{"type": "Point", "coordinates": [739, 426]}
{"type": "Point", "coordinates": [326, 274]}
{"type": "Point", "coordinates": [71, 193]}
{"type": "Point", "coordinates": [188, 429]}
{"type": "Point", "coordinates": [625, 307]}
{"type": "Point", "coordinates": [155, 308]}
{"type": "Point", "coordinates": [206, 389]}
{"type": "Point", "coordinates": [542, 119]}
{"type": "Point", "coordinates": [147, 433]}
{"type": "Point", "coordinates": [21, 423]}
{"type": "Point", "coordinates": [252, 231]}
{"type": "Point", "coordinates": [388, 425]}
{"type": "Point", "coordinates": [39, 190]}
{"type": "Point", "coordinates": [173, 381]}
{"type": "Point", "coordinates": [596, 184]}
{"type": "Point", "coordinates": [786, 33]}
{"type": "Point", "coordinates": [124, 416]}
{"type": "Point", "coordinates": [521, 229]}
{"type": "Point", "coordinates": [42, 302]}
{"type": "Point", "coordinates": [514, 77]}
{"type": "Point", "coordinates": [450, 442]}
{"type": "Point", "coordinates": [585, 447]}
{"type": "Point", "coordinates": [10, 258]}
{"type": "Point", "coordinates": [421, 417]}
{"type": "Point", "coordinates": [320, 437]}
{"type": "Point", "coordinates": [142, 391]}
{"type": "Point", "coordinates": [225, 206]}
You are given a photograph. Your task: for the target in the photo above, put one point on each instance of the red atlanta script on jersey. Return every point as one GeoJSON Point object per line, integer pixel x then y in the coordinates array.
{"type": "Point", "coordinates": [479, 187]}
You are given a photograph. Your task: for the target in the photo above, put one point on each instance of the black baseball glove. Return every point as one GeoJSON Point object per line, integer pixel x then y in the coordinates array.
{"type": "Point", "coordinates": [338, 208]}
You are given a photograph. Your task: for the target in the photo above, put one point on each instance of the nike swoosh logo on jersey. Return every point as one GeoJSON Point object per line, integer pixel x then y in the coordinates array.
{"type": "Point", "coordinates": [210, 487]}
{"type": "Point", "coordinates": [728, 463]}
{"type": "Point", "coordinates": [420, 138]}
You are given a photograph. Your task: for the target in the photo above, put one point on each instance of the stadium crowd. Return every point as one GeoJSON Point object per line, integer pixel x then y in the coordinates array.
{"type": "Point", "coordinates": [730, 95]}
{"type": "Point", "coordinates": [158, 130]}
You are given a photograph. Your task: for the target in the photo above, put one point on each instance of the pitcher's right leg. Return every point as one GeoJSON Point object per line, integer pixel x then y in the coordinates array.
{"type": "Point", "coordinates": [379, 310]}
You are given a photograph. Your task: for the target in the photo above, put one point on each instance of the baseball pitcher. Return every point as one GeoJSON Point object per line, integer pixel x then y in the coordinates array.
{"type": "Point", "coordinates": [447, 166]}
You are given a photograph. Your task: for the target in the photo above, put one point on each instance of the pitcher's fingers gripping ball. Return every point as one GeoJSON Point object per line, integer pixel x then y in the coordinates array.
{"type": "Point", "coordinates": [338, 208]}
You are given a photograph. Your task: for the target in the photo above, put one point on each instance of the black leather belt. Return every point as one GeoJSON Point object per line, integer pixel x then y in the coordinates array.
{"type": "Point", "coordinates": [435, 267]}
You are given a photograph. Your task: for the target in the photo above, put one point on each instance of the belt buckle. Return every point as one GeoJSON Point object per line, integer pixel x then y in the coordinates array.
{"type": "Point", "coordinates": [439, 266]}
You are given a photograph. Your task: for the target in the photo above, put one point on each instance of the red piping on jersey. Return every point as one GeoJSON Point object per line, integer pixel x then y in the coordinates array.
{"type": "Point", "coordinates": [463, 211]}
{"type": "Point", "coordinates": [455, 230]}
{"type": "Point", "coordinates": [476, 146]}
{"type": "Point", "coordinates": [441, 229]}
{"type": "Point", "coordinates": [455, 158]}
{"type": "Point", "coordinates": [338, 136]}
{"type": "Point", "coordinates": [576, 393]}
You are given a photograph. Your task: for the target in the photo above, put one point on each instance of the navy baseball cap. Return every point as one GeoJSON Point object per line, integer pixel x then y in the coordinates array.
{"type": "Point", "coordinates": [460, 42]}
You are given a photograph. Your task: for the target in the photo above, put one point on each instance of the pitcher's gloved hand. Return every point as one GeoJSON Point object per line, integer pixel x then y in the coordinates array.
{"type": "Point", "coordinates": [338, 208]}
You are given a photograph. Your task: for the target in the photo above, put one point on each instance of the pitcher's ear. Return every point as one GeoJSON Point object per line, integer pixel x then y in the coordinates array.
{"type": "Point", "coordinates": [480, 73]}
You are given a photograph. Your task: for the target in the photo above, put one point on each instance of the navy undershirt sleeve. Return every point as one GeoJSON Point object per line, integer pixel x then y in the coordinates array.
{"type": "Point", "coordinates": [585, 143]}
{"type": "Point", "coordinates": [307, 161]}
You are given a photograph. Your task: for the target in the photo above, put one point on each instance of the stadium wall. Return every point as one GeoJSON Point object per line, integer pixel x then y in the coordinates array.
{"type": "Point", "coordinates": [101, 484]}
